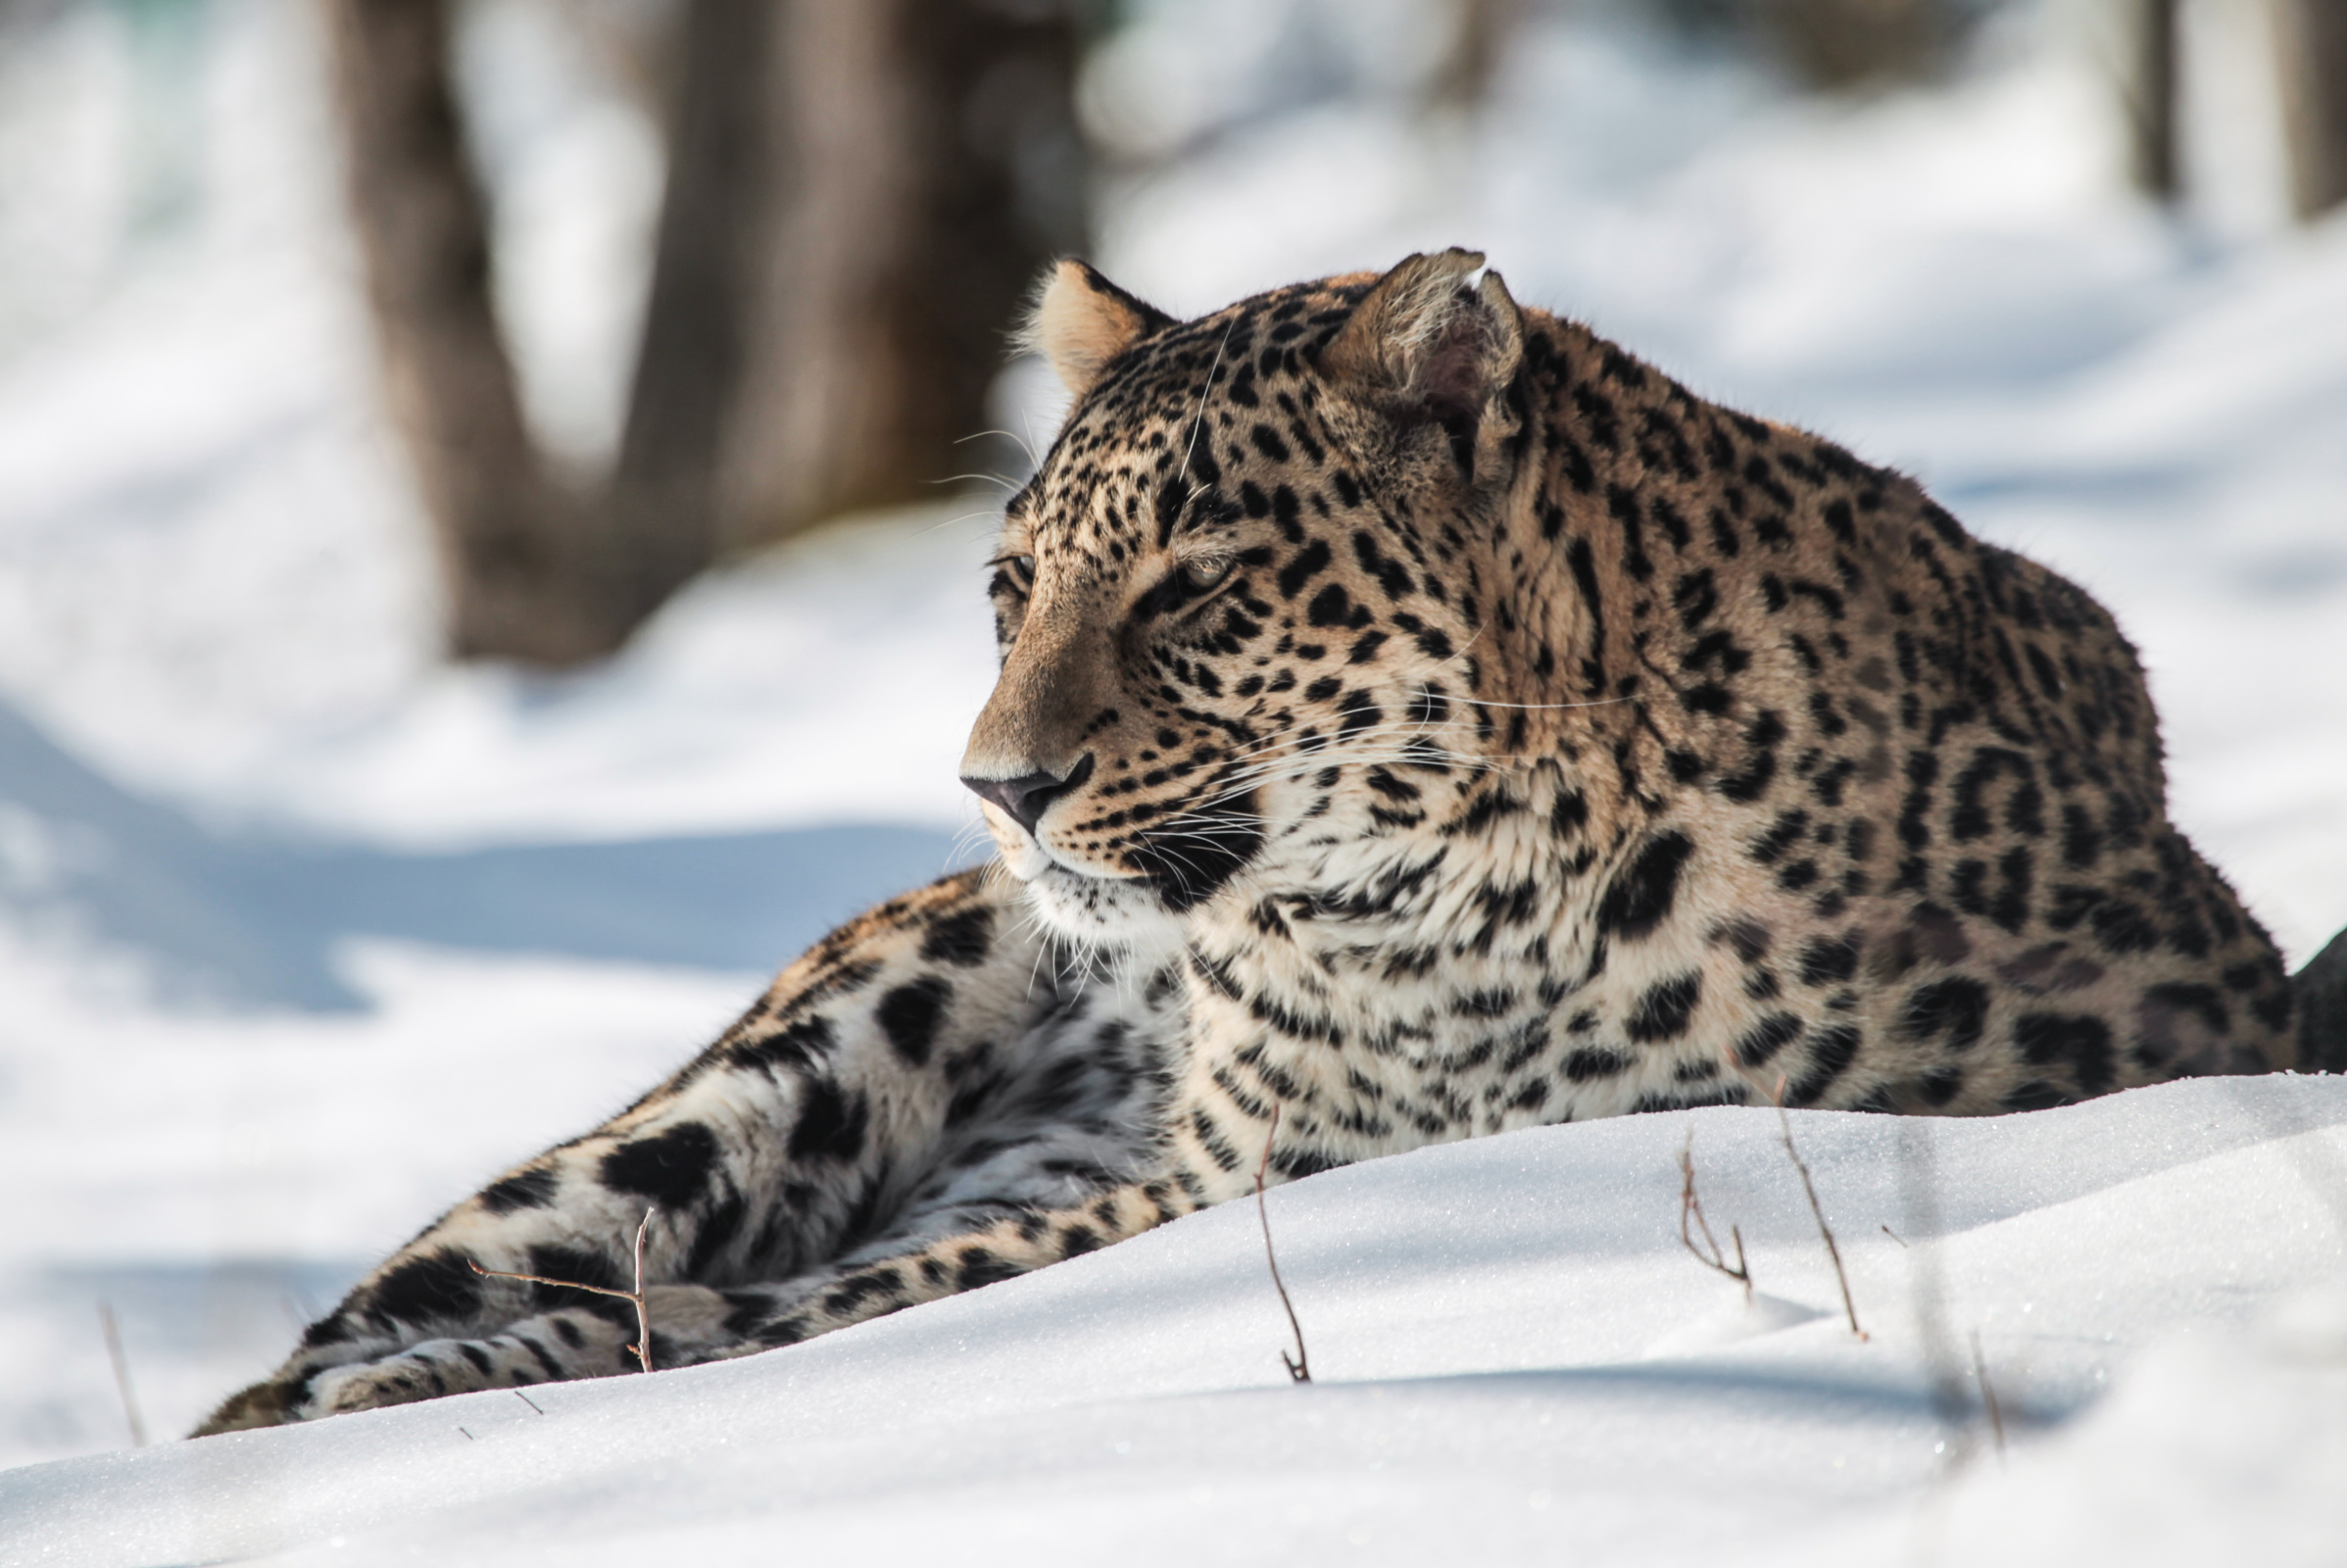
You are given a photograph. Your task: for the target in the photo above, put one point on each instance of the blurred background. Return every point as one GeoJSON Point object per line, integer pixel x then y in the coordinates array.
{"type": "Point", "coordinates": [492, 491]}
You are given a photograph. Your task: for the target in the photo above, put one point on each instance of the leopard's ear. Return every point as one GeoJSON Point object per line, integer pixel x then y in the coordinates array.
{"type": "Point", "coordinates": [1422, 346]}
{"type": "Point", "coordinates": [1081, 321]}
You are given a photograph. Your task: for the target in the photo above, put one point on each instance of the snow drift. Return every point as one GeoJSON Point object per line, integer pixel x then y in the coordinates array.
{"type": "Point", "coordinates": [1506, 1372]}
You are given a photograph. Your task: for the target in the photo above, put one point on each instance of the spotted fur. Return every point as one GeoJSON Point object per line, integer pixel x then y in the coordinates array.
{"type": "Point", "coordinates": [1419, 719]}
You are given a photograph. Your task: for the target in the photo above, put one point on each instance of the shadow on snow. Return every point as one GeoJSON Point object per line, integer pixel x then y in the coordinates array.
{"type": "Point", "coordinates": [247, 920]}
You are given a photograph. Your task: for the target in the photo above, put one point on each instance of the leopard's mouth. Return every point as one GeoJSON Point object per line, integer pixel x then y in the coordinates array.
{"type": "Point", "coordinates": [1180, 862]}
{"type": "Point", "coordinates": [1189, 858]}
{"type": "Point", "coordinates": [1052, 867]}
{"type": "Point", "coordinates": [1029, 858]}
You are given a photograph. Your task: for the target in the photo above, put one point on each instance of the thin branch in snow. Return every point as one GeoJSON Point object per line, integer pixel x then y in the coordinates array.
{"type": "Point", "coordinates": [122, 1374]}
{"type": "Point", "coordinates": [1690, 1208]}
{"type": "Point", "coordinates": [1299, 1365]}
{"type": "Point", "coordinates": [1785, 1124]}
{"type": "Point", "coordinates": [1927, 1289]}
{"type": "Point", "coordinates": [526, 1399]}
{"type": "Point", "coordinates": [641, 1348]}
{"type": "Point", "coordinates": [1996, 1414]}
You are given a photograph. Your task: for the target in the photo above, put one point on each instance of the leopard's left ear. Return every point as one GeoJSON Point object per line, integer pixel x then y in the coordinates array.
{"type": "Point", "coordinates": [1081, 321]}
{"type": "Point", "coordinates": [1423, 347]}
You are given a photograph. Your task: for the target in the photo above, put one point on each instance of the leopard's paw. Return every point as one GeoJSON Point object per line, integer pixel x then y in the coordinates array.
{"type": "Point", "coordinates": [273, 1403]}
{"type": "Point", "coordinates": [690, 1324]}
{"type": "Point", "coordinates": [401, 1379]}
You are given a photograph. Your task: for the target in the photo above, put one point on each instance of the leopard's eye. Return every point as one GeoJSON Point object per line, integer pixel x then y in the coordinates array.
{"type": "Point", "coordinates": [1201, 575]}
{"type": "Point", "coordinates": [1022, 569]}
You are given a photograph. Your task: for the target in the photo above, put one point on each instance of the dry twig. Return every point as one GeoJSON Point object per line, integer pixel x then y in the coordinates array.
{"type": "Point", "coordinates": [1786, 1123]}
{"type": "Point", "coordinates": [122, 1374]}
{"type": "Point", "coordinates": [1691, 1206]}
{"type": "Point", "coordinates": [1996, 1414]}
{"type": "Point", "coordinates": [643, 1345]}
{"type": "Point", "coordinates": [1300, 1366]}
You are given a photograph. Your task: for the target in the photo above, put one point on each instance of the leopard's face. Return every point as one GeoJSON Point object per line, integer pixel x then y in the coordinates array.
{"type": "Point", "coordinates": [1232, 648]}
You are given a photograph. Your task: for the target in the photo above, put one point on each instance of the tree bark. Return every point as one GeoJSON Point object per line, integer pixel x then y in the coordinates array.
{"type": "Point", "coordinates": [1842, 43]}
{"type": "Point", "coordinates": [859, 193]}
{"type": "Point", "coordinates": [715, 212]}
{"type": "Point", "coordinates": [2312, 38]}
{"type": "Point", "coordinates": [926, 166]}
{"type": "Point", "coordinates": [2152, 94]}
{"type": "Point", "coordinates": [1480, 33]}
{"type": "Point", "coordinates": [518, 583]}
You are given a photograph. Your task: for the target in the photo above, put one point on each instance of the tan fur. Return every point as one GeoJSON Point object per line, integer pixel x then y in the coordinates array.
{"type": "Point", "coordinates": [1079, 329]}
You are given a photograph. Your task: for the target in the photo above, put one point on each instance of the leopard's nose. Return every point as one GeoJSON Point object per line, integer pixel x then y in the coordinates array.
{"type": "Point", "coordinates": [1028, 796]}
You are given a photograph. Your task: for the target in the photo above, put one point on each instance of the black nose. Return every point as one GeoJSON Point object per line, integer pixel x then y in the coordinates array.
{"type": "Point", "coordinates": [1027, 797]}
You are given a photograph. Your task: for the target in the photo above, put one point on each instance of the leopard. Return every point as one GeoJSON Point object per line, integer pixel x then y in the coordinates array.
{"type": "Point", "coordinates": [1417, 718]}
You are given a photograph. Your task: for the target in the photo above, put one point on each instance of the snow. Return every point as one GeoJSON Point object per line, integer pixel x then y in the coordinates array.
{"type": "Point", "coordinates": [303, 936]}
{"type": "Point", "coordinates": [1495, 1379]}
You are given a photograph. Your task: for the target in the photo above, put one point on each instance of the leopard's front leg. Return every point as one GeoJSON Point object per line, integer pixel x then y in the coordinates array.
{"type": "Point", "coordinates": [1015, 1244]}
{"type": "Point", "coordinates": [809, 1128]}
{"type": "Point", "coordinates": [1212, 1140]}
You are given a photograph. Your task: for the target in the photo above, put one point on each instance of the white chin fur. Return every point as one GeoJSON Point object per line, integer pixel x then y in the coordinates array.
{"type": "Point", "coordinates": [1097, 910]}
{"type": "Point", "coordinates": [1092, 910]}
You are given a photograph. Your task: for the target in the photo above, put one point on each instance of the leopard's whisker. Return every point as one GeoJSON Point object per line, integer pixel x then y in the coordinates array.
{"type": "Point", "coordinates": [1025, 443]}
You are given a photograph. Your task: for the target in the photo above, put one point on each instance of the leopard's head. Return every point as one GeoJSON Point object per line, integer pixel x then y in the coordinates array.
{"type": "Point", "coordinates": [1238, 604]}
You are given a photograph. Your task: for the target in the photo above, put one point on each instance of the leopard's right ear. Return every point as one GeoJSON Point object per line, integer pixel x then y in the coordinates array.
{"type": "Point", "coordinates": [1423, 349]}
{"type": "Point", "coordinates": [1081, 321]}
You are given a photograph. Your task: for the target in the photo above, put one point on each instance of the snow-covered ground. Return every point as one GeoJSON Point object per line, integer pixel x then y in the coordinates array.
{"type": "Point", "coordinates": [301, 936]}
{"type": "Point", "coordinates": [1514, 1360]}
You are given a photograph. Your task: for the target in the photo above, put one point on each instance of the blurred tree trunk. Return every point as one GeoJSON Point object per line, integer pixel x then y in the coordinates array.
{"type": "Point", "coordinates": [925, 165]}
{"type": "Point", "coordinates": [1842, 43]}
{"type": "Point", "coordinates": [2312, 36]}
{"type": "Point", "coordinates": [2151, 89]}
{"type": "Point", "coordinates": [859, 193]}
{"type": "Point", "coordinates": [1479, 38]}
{"type": "Point", "coordinates": [522, 578]}
{"type": "Point", "coordinates": [663, 506]}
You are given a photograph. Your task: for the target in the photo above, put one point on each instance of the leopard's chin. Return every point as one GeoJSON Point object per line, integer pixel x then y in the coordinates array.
{"type": "Point", "coordinates": [1095, 911]}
